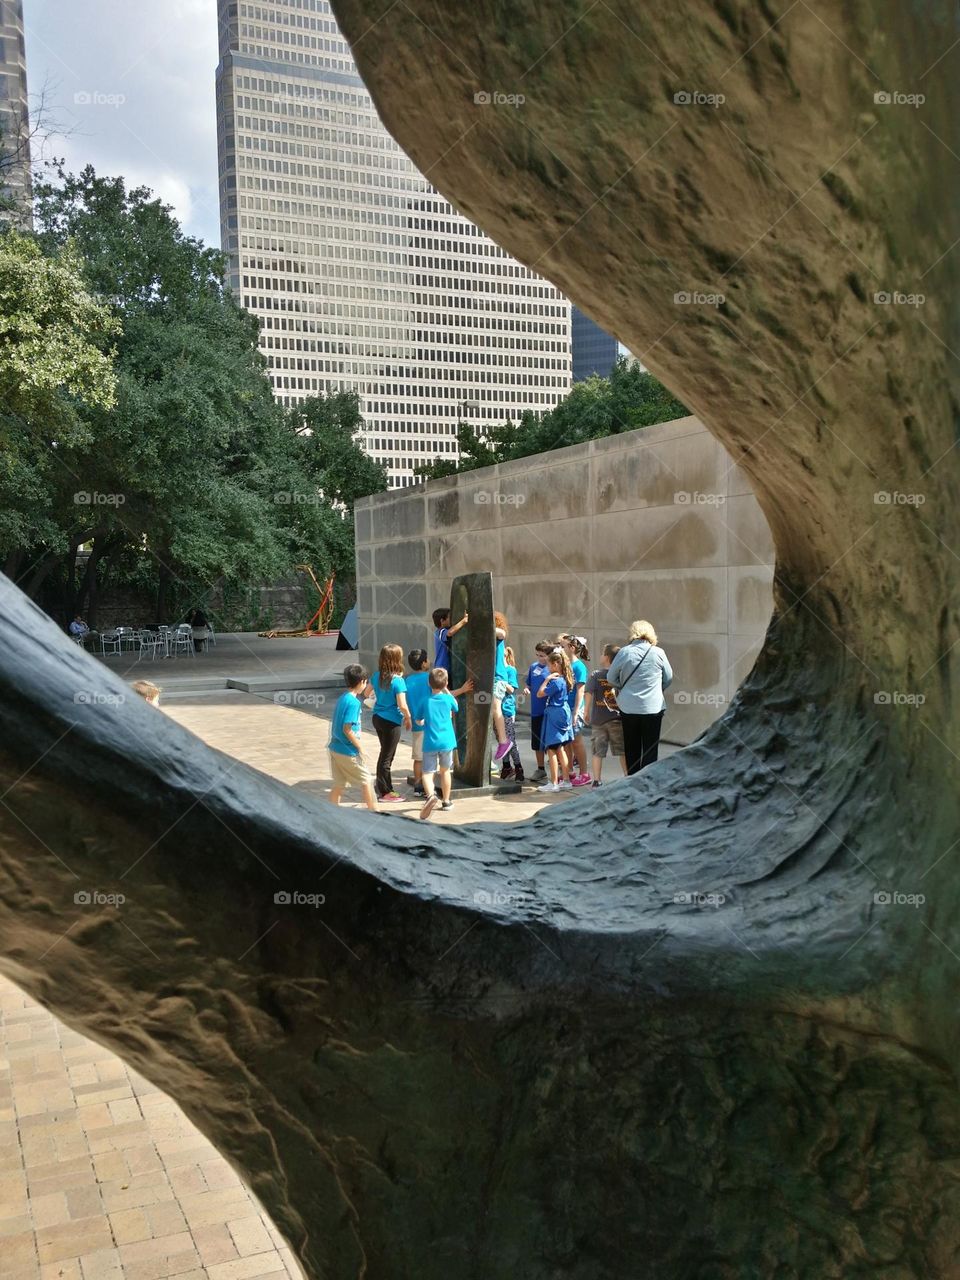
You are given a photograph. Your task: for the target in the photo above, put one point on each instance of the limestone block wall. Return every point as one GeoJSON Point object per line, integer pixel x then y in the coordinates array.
{"type": "Point", "coordinates": [657, 523]}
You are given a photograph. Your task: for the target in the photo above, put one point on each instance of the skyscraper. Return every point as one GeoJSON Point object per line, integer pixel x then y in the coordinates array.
{"type": "Point", "coordinates": [14, 115]}
{"type": "Point", "coordinates": [363, 276]}
{"type": "Point", "coordinates": [594, 350]}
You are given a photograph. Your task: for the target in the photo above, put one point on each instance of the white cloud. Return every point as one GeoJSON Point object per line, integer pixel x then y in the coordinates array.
{"type": "Point", "coordinates": [132, 82]}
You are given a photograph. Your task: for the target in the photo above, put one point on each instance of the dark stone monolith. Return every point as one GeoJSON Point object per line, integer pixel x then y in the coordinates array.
{"type": "Point", "coordinates": [472, 658]}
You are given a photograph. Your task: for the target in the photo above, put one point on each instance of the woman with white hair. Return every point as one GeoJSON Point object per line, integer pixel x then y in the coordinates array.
{"type": "Point", "coordinates": [639, 673]}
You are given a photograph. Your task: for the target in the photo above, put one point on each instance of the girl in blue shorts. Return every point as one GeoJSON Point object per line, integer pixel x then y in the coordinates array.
{"type": "Point", "coordinates": [557, 721]}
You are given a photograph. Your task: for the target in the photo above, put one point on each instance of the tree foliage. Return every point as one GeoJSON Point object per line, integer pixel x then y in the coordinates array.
{"type": "Point", "coordinates": [628, 399]}
{"type": "Point", "coordinates": [189, 475]}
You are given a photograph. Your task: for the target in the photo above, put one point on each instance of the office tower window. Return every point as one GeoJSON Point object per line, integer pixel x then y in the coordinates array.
{"type": "Point", "coordinates": [337, 243]}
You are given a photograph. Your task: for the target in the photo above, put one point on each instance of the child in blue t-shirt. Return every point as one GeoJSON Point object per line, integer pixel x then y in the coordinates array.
{"type": "Point", "coordinates": [512, 767]}
{"type": "Point", "coordinates": [441, 636]}
{"type": "Point", "coordinates": [537, 672]}
{"type": "Point", "coordinates": [418, 691]}
{"type": "Point", "coordinates": [575, 647]}
{"type": "Point", "coordinates": [390, 711]}
{"type": "Point", "coordinates": [439, 740]}
{"type": "Point", "coordinates": [557, 725]}
{"type": "Point", "coordinates": [347, 765]}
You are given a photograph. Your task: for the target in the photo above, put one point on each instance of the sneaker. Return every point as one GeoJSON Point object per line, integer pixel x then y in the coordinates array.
{"type": "Point", "coordinates": [506, 772]}
{"type": "Point", "coordinates": [540, 774]}
{"type": "Point", "coordinates": [447, 804]}
{"type": "Point", "coordinates": [502, 749]}
{"type": "Point", "coordinates": [565, 786]}
{"type": "Point", "coordinates": [391, 798]}
{"type": "Point", "coordinates": [550, 786]}
{"type": "Point", "coordinates": [419, 793]}
{"type": "Point", "coordinates": [518, 775]}
{"type": "Point", "coordinates": [596, 783]}
{"type": "Point", "coordinates": [580, 780]}
{"type": "Point", "coordinates": [429, 807]}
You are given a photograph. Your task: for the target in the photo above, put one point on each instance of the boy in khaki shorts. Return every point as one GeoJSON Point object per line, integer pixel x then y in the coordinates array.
{"type": "Point", "coordinates": [347, 764]}
{"type": "Point", "coordinates": [601, 713]}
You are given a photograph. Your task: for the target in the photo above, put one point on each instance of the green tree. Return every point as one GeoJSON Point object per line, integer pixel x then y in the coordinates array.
{"type": "Point", "coordinates": [328, 430]}
{"type": "Point", "coordinates": [628, 399]}
{"type": "Point", "coordinates": [195, 470]}
{"type": "Point", "coordinates": [55, 360]}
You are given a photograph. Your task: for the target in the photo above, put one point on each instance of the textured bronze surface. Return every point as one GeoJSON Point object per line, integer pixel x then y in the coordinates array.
{"type": "Point", "coordinates": [701, 1023]}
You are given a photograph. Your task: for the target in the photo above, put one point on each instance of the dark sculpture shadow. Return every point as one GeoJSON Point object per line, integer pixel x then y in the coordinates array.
{"type": "Point", "coordinates": [696, 1024]}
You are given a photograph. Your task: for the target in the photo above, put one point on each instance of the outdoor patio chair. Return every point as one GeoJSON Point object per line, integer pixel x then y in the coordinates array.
{"type": "Point", "coordinates": [183, 641]}
{"type": "Point", "coordinates": [110, 642]}
{"type": "Point", "coordinates": [149, 642]}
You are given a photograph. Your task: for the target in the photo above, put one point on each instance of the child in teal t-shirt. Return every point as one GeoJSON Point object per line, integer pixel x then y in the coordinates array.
{"type": "Point", "coordinates": [512, 767]}
{"type": "Point", "coordinates": [347, 765]}
{"type": "Point", "coordinates": [418, 691]}
{"type": "Point", "coordinates": [576, 650]}
{"type": "Point", "coordinates": [439, 741]}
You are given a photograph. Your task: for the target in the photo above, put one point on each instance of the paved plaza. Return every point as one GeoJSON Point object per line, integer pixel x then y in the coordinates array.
{"type": "Point", "coordinates": [101, 1175]}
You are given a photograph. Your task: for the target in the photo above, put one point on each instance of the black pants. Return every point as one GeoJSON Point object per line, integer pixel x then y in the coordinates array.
{"type": "Point", "coordinates": [641, 739]}
{"type": "Point", "coordinates": [389, 734]}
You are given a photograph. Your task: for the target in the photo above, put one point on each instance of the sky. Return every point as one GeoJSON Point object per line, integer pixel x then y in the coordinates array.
{"type": "Point", "coordinates": [129, 88]}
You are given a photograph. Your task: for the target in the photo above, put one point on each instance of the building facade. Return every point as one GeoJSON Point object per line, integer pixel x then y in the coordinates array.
{"type": "Point", "coordinates": [14, 115]}
{"type": "Point", "coordinates": [362, 275]}
{"type": "Point", "coordinates": [594, 350]}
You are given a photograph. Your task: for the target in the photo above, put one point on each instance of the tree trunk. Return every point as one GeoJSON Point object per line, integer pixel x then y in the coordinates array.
{"type": "Point", "coordinates": [13, 563]}
{"type": "Point", "coordinates": [164, 577]}
{"type": "Point", "coordinates": [86, 597]}
{"type": "Point", "coordinates": [40, 574]}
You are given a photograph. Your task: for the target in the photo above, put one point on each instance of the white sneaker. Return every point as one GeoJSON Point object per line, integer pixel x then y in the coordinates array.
{"type": "Point", "coordinates": [549, 786]}
{"type": "Point", "coordinates": [564, 786]}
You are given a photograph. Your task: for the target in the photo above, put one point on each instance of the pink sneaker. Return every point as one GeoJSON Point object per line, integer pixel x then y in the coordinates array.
{"type": "Point", "coordinates": [501, 750]}
{"type": "Point", "coordinates": [581, 780]}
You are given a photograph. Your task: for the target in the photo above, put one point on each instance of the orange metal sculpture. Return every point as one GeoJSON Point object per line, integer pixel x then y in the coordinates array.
{"type": "Point", "coordinates": [317, 626]}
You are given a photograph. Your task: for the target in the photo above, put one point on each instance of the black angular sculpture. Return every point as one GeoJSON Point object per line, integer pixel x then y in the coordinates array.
{"type": "Point", "coordinates": [697, 1024]}
{"type": "Point", "coordinates": [472, 657]}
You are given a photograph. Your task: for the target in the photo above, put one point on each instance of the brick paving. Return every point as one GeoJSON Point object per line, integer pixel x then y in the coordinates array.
{"type": "Point", "coordinates": [102, 1176]}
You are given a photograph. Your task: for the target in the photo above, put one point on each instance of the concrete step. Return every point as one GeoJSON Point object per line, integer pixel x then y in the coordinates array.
{"type": "Point", "coordinates": [287, 681]}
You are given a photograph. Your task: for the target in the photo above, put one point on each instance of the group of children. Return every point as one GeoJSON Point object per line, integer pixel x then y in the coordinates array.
{"type": "Point", "coordinates": [565, 698]}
